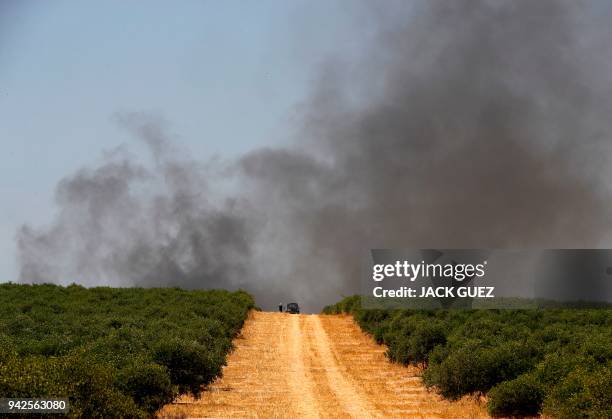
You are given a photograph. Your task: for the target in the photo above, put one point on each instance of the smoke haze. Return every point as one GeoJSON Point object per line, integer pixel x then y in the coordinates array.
{"type": "Point", "coordinates": [462, 124]}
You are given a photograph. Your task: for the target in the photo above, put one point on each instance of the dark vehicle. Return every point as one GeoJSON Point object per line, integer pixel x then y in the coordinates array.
{"type": "Point", "coordinates": [293, 308]}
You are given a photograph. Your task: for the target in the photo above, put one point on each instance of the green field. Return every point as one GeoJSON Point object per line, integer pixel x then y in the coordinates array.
{"type": "Point", "coordinates": [115, 352]}
{"type": "Point", "coordinates": [552, 361]}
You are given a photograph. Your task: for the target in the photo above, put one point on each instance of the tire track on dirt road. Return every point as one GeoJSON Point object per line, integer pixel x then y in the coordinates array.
{"type": "Point", "coordinates": [300, 382]}
{"type": "Point", "coordinates": [351, 400]}
{"type": "Point", "coordinates": [308, 366]}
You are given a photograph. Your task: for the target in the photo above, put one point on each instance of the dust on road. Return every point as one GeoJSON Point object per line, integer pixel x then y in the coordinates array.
{"type": "Point", "coordinates": [308, 366]}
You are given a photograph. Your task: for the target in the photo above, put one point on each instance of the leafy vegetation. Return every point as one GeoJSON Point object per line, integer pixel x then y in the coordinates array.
{"type": "Point", "coordinates": [115, 352]}
{"type": "Point", "coordinates": [553, 361]}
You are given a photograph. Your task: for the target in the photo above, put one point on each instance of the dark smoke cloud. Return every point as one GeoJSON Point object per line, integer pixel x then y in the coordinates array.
{"type": "Point", "coordinates": [126, 224]}
{"type": "Point", "coordinates": [465, 124]}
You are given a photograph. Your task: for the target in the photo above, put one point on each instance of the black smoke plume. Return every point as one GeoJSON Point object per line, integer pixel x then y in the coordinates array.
{"type": "Point", "coordinates": [462, 124]}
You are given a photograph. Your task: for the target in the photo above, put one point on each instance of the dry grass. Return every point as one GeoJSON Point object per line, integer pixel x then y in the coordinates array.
{"type": "Point", "coordinates": [315, 366]}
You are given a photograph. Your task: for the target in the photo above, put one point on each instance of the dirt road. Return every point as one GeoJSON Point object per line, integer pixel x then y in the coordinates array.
{"type": "Point", "coordinates": [307, 366]}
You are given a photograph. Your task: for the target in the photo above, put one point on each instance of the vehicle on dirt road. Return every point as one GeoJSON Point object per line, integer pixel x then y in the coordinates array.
{"type": "Point", "coordinates": [293, 308]}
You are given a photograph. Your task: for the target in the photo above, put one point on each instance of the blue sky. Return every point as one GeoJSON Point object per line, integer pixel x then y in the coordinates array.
{"type": "Point", "coordinates": [227, 75]}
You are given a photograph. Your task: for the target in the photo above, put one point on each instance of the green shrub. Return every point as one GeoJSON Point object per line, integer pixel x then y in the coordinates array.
{"type": "Point", "coordinates": [477, 368]}
{"type": "Point", "coordinates": [348, 305]}
{"type": "Point", "coordinates": [7, 349]}
{"type": "Point", "coordinates": [556, 360]}
{"type": "Point", "coordinates": [415, 346]}
{"type": "Point", "coordinates": [522, 396]}
{"type": "Point", "coordinates": [117, 352]}
{"type": "Point", "coordinates": [148, 384]}
{"type": "Point", "coordinates": [89, 386]}
{"type": "Point", "coordinates": [92, 393]}
{"type": "Point", "coordinates": [32, 377]}
{"type": "Point", "coordinates": [582, 394]}
{"type": "Point", "coordinates": [555, 367]}
{"type": "Point", "coordinates": [189, 363]}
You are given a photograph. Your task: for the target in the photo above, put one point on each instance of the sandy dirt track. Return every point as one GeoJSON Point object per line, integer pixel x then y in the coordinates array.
{"type": "Point", "coordinates": [308, 366]}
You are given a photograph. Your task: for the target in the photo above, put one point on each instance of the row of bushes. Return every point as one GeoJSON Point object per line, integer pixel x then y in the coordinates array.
{"type": "Point", "coordinates": [552, 361]}
{"type": "Point", "coordinates": [115, 352]}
